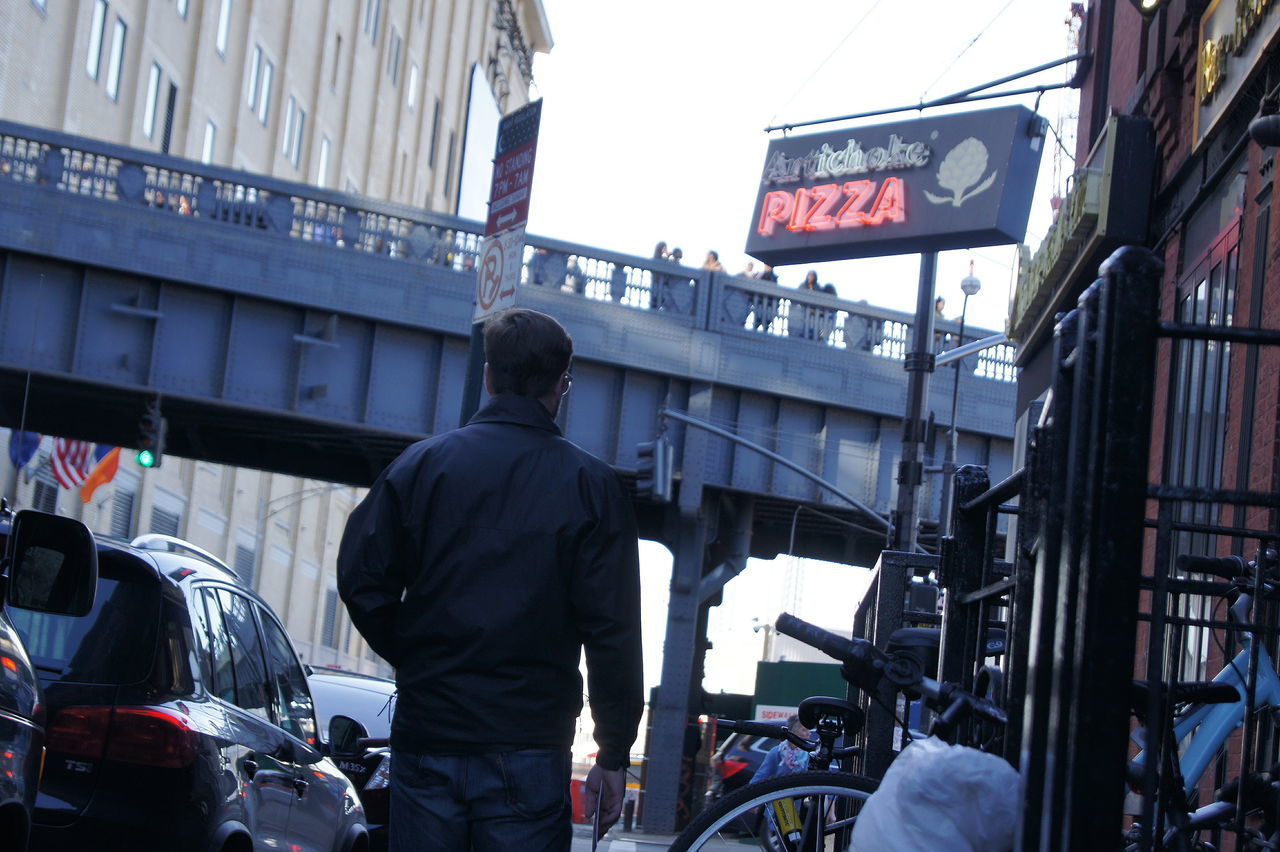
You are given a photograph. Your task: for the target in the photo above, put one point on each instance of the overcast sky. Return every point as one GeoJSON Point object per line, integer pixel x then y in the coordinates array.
{"type": "Point", "coordinates": [652, 129]}
{"type": "Point", "coordinates": [653, 116]}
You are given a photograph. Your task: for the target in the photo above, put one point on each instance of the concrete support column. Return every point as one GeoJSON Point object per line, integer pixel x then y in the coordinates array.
{"type": "Point", "coordinates": [681, 674]}
{"type": "Point", "coordinates": [693, 518]}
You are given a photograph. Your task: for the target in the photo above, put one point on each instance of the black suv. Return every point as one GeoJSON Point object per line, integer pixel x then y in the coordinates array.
{"type": "Point", "coordinates": [51, 567]}
{"type": "Point", "coordinates": [180, 718]}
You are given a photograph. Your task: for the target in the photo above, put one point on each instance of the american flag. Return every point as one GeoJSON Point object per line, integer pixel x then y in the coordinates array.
{"type": "Point", "coordinates": [71, 461]}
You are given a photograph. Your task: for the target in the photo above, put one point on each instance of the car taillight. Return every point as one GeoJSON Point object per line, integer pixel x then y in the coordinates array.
{"type": "Point", "coordinates": [151, 737]}
{"type": "Point", "coordinates": [143, 735]}
{"type": "Point", "coordinates": [732, 767]}
{"type": "Point", "coordinates": [382, 775]}
{"type": "Point", "coordinates": [79, 731]}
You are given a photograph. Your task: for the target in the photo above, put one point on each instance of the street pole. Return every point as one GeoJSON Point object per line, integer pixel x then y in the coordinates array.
{"type": "Point", "coordinates": [919, 365]}
{"type": "Point", "coordinates": [970, 286]}
{"type": "Point", "coordinates": [475, 375]}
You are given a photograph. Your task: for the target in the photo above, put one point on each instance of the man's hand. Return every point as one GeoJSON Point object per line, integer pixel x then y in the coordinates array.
{"type": "Point", "coordinates": [605, 789]}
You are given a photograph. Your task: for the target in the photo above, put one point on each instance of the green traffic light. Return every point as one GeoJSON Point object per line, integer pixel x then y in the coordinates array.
{"type": "Point", "coordinates": [146, 458]}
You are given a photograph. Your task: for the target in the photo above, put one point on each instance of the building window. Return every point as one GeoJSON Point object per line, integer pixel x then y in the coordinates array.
{"type": "Point", "coordinates": [260, 73]}
{"type": "Point", "coordinates": [295, 120]}
{"type": "Point", "coordinates": [329, 636]}
{"type": "Point", "coordinates": [435, 135]}
{"type": "Point", "coordinates": [165, 523]}
{"type": "Point", "coordinates": [393, 56]}
{"type": "Point", "coordinates": [290, 109]}
{"type": "Point", "coordinates": [1198, 419]}
{"type": "Point", "coordinates": [122, 513]}
{"type": "Point", "coordinates": [245, 561]}
{"type": "Point", "coordinates": [224, 27]}
{"type": "Point", "coordinates": [170, 105]}
{"type": "Point", "coordinates": [44, 497]}
{"type": "Point", "coordinates": [337, 55]}
{"type": "Point", "coordinates": [117, 60]}
{"type": "Point", "coordinates": [448, 167]}
{"type": "Point", "coordinates": [182, 8]}
{"type": "Point", "coordinates": [372, 17]}
{"type": "Point", "coordinates": [210, 139]}
{"type": "Point", "coordinates": [298, 131]}
{"type": "Point", "coordinates": [411, 94]}
{"type": "Point", "coordinates": [264, 93]}
{"type": "Point", "coordinates": [322, 167]}
{"type": "Point", "coordinates": [255, 67]}
{"type": "Point", "coordinates": [97, 28]}
{"type": "Point", "coordinates": [152, 105]}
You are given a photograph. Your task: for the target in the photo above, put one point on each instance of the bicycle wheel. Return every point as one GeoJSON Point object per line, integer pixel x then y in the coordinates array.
{"type": "Point", "coordinates": [804, 812]}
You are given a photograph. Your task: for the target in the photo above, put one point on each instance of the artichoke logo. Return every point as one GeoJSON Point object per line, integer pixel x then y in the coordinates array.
{"type": "Point", "coordinates": [961, 169]}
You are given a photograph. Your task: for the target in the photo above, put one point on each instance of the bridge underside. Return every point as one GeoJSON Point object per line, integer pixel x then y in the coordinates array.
{"type": "Point", "coordinates": [336, 452]}
{"type": "Point", "coordinates": [246, 437]}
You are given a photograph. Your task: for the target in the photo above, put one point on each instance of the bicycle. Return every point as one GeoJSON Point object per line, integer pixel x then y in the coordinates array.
{"type": "Point", "coordinates": [816, 810]}
{"type": "Point", "coordinates": [1210, 712]}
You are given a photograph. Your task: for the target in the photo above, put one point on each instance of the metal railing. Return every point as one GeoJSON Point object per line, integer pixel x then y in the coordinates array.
{"type": "Point", "coordinates": [284, 210]}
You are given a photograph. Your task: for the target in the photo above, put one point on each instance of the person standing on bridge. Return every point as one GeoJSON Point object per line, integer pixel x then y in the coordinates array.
{"type": "Point", "coordinates": [480, 565]}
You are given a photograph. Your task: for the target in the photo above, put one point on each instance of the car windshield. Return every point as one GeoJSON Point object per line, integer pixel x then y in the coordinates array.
{"type": "Point", "coordinates": [114, 644]}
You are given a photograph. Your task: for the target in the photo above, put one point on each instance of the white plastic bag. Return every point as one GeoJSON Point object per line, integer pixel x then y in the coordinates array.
{"type": "Point", "coordinates": [937, 796]}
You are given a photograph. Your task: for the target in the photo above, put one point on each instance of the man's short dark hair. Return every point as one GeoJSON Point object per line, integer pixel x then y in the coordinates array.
{"type": "Point", "coordinates": [527, 352]}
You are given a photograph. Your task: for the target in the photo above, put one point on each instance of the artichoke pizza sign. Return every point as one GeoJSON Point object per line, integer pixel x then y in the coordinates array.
{"type": "Point", "coordinates": [929, 184]}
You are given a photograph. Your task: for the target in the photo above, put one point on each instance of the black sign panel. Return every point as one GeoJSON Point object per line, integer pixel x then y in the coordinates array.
{"type": "Point", "coordinates": [928, 184]}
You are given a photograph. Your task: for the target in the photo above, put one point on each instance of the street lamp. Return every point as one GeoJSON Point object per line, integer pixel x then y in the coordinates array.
{"type": "Point", "coordinates": [969, 285]}
{"type": "Point", "coordinates": [759, 625]}
{"type": "Point", "coordinates": [1147, 8]}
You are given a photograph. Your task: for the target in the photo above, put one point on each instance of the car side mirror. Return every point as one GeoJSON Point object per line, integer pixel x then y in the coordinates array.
{"type": "Point", "coordinates": [343, 734]}
{"type": "Point", "coordinates": [53, 564]}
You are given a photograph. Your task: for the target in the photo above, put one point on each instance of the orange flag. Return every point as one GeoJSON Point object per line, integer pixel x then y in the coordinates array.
{"type": "Point", "coordinates": [103, 473]}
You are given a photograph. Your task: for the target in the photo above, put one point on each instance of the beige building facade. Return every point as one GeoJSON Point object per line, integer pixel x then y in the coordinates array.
{"type": "Point", "coordinates": [363, 96]}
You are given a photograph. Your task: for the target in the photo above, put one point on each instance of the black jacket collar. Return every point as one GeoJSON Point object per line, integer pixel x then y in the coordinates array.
{"type": "Point", "coordinates": [512, 408]}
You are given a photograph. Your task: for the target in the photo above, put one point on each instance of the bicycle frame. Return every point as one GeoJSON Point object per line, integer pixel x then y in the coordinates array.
{"type": "Point", "coordinates": [1209, 725]}
{"type": "Point", "coordinates": [1213, 723]}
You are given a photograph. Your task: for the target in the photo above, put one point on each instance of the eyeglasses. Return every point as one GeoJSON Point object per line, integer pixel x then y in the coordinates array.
{"type": "Point", "coordinates": [568, 382]}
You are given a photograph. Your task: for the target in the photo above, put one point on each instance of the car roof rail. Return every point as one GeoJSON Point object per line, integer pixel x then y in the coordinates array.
{"type": "Point", "coordinates": [172, 544]}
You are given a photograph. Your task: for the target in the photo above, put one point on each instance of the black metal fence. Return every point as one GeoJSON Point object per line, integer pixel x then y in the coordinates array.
{"type": "Point", "coordinates": [1094, 594]}
{"type": "Point", "coordinates": [1069, 599]}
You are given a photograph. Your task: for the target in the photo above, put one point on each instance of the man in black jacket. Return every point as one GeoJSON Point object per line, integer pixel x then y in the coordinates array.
{"type": "Point", "coordinates": [480, 565]}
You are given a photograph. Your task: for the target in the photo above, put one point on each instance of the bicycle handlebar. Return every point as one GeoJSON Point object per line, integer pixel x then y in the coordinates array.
{"type": "Point", "coordinates": [831, 644]}
{"type": "Point", "coordinates": [865, 664]}
{"type": "Point", "coordinates": [1226, 567]}
{"type": "Point", "coordinates": [766, 729]}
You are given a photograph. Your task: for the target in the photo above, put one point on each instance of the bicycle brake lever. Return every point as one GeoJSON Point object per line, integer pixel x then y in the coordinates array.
{"type": "Point", "coordinates": [903, 671]}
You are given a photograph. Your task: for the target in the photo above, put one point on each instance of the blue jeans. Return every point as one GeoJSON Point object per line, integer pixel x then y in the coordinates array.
{"type": "Point", "coordinates": [500, 801]}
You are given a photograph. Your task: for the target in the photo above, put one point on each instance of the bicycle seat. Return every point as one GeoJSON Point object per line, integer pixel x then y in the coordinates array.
{"type": "Point", "coordinates": [922, 643]}
{"type": "Point", "coordinates": [813, 709]}
{"type": "Point", "coordinates": [1191, 691]}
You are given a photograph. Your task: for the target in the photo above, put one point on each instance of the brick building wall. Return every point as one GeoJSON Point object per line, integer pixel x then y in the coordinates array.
{"type": "Point", "coordinates": [1210, 216]}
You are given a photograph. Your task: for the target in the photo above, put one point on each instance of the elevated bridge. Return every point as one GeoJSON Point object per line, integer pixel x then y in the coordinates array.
{"type": "Point", "coordinates": [317, 333]}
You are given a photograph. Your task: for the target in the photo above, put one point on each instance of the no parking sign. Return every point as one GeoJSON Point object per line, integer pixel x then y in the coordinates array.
{"type": "Point", "coordinates": [498, 272]}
